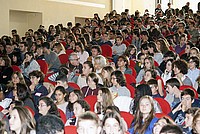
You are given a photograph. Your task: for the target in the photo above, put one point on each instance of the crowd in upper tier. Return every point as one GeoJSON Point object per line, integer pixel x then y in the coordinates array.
{"type": "Point", "coordinates": [121, 74]}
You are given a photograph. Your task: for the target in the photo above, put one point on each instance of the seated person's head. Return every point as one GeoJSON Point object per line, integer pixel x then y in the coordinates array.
{"type": "Point", "coordinates": [149, 74]}
{"type": "Point", "coordinates": [196, 122]}
{"type": "Point", "coordinates": [88, 123]}
{"type": "Point", "coordinates": [47, 106]}
{"type": "Point", "coordinates": [96, 50]}
{"type": "Point", "coordinates": [172, 85]}
{"type": "Point", "coordinates": [162, 122]}
{"type": "Point", "coordinates": [112, 123]}
{"type": "Point", "coordinates": [50, 124]}
{"type": "Point", "coordinates": [171, 129]}
{"type": "Point", "coordinates": [187, 98]}
{"type": "Point", "coordinates": [61, 80]}
{"type": "Point", "coordinates": [112, 109]}
{"type": "Point", "coordinates": [80, 107]}
{"type": "Point", "coordinates": [74, 59]}
{"type": "Point", "coordinates": [189, 114]}
{"type": "Point", "coordinates": [153, 85]}
{"type": "Point", "coordinates": [180, 66]}
{"type": "Point", "coordinates": [141, 57]}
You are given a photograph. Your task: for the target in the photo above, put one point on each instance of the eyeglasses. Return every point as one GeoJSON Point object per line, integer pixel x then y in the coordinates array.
{"type": "Point", "coordinates": [75, 59]}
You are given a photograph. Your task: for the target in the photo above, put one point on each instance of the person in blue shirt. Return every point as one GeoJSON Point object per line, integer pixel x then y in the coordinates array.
{"type": "Point", "coordinates": [144, 119]}
{"type": "Point", "coordinates": [179, 111]}
{"type": "Point", "coordinates": [189, 115]}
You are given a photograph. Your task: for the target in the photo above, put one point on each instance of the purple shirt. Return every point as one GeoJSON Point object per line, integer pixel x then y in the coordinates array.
{"type": "Point", "coordinates": [179, 49]}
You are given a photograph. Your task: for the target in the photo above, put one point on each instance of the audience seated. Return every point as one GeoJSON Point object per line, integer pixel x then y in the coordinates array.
{"type": "Point", "coordinates": [161, 50]}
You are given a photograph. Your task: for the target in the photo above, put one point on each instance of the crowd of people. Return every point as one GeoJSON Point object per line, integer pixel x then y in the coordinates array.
{"type": "Point", "coordinates": [127, 62]}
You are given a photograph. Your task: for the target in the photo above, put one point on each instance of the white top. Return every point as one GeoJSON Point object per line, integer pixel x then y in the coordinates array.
{"type": "Point", "coordinates": [63, 106]}
{"type": "Point", "coordinates": [81, 82]}
{"type": "Point", "coordinates": [83, 56]}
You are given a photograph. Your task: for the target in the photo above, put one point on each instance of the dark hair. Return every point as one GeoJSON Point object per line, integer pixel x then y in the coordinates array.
{"type": "Point", "coordinates": [80, 45]}
{"type": "Point", "coordinates": [169, 128]}
{"type": "Point", "coordinates": [49, 102]}
{"type": "Point", "coordinates": [188, 91]}
{"type": "Point", "coordinates": [63, 90]}
{"type": "Point", "coordinates": [30, 54]}
{"type": "Point", "coordinates": [195, 59]}
{"type": "Point", "coordinates": [62, 77]}
{"type": "Point", "coordinates": [153, 73]}
{"type": "Point", "coordinates": [173, 82]}
{"type": "Point", "coordinates": [129, 49]}
{"type": "Point", "coordinates": [94, 77]}
{"type": "Point", "coordinates": [139, 55]}
{"type": "Point", "coordinates": [80, 96]}
{"type": "Point", "coordinates": [97, 47]}
{"type": "Point", "coordinates": [89, 63]}
{"type": "Point", "coordinates": [144, 46]}
{"type": "Point", "coordinates": [63, 70]}
{"type": "Point", "coordinates": [153, 82]}
{"type": "Point", "coordinates": [22, 92]}
{"type": "Point", "coordinates": [38, 74]}
{"type": "Point", "coordinates": [19, 59]}
{"type": "Point", "coordinates": [152, 44]}
{"type": "Point", "coordinates": [181, 65]}
{"type": "Point", "coordinates": [119, 77]}
{"type": "Point", "coordinates": [49, 124]}
{"type": "Point", "coordinates": [7, 60]}
{"type": "Point", "coordinates": [83, 104]}
{"type": "Point", "coordinates": [192, 110]}
{"type": "Point", "coordinates": [46, 45]}
{"type": "Point", "coordinates": [170, 54]}
{"type": "Point", "coordinates": [113, 108]}
{"type": "Point", "coordinates": [125, 59]}
{"type": "Point", "coordinates": [141, 90]}
{"type": "Point", "coordinates": [145, 33]}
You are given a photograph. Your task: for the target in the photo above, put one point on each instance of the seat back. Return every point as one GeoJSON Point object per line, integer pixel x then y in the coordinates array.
{"type": "Point", "coordinates": [160, 115]}
{"type": "Point", "coordinates": [164, 105]}
{"type": "Point", "coordinates": [130, 79]}
{"type": "Point", "coordinates": [31, 110]}
{"type": "Point", "coordinates": [70, 130]}
{"type": "Point", "coordinates": [106, 51]}
{"type": "Point", "coordinates": [73, 85]}
{"type": "Point", "coordinates": [43, 66]}
{"type": "Point", "coordinates": [62, 116]}
{"type": "Point", "coordinates": [1, 108]}
{"type": "Point", "coordinates": [132, 63]}
{"type": "Point", "coordinates": [131, 89]}
{"type": "Point", "coordinates": [134, 73]}
{"type": "Point", "coordinates": [127, 117]}
{"type": "Point", "coordinates": [16, 68]}
{"type": "Point", "coordinates": [63, 58]}
{"type": "Point", "coordinates": [183, 87]}
{"type": "Point", "coordinates": [91, 100]}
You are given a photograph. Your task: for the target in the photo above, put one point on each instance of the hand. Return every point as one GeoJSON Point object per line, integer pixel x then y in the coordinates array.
{"type": "Point", "coordinates": [177, 108]}
{"type": "Point", "coordinates": [51, 89]}
{"type": "Point", "coordinates": [32, 87]}
{"type": "Point", "coordinates": [5, 111]}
